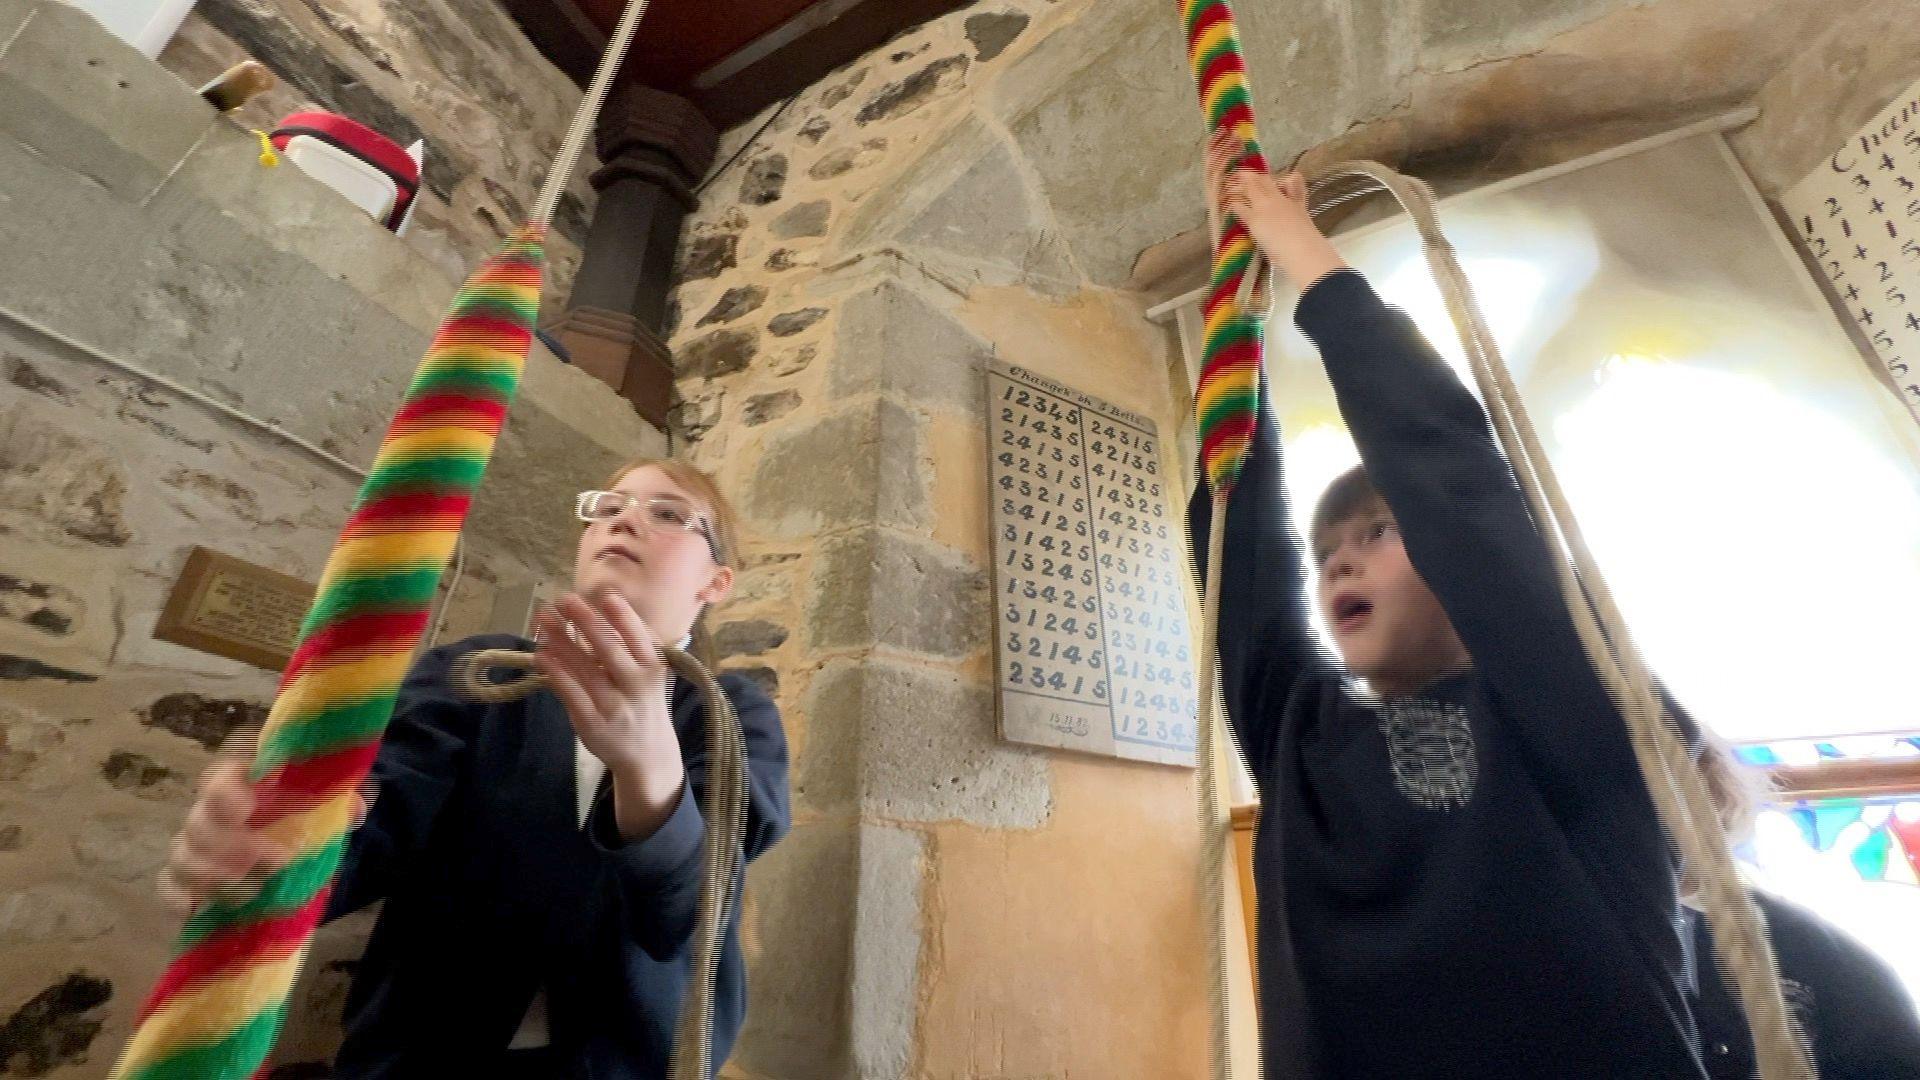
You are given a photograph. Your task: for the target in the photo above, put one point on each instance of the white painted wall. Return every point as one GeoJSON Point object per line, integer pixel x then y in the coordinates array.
{"type": "Point", "coordinates": [147, 25]}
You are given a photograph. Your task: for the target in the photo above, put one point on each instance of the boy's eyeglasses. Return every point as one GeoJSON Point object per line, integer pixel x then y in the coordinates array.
{"type": "Point", "coordinates": [657, 514]}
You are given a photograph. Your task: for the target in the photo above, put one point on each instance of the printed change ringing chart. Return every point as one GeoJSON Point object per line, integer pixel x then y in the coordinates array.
{"type": "Point", "coordinates": [1090, 575]}
{"type": "Point", "coordinates": [1859, 215]}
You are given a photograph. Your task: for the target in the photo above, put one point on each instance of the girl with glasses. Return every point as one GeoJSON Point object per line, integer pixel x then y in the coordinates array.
{"type": "Point", "coordinates": [539, 859]}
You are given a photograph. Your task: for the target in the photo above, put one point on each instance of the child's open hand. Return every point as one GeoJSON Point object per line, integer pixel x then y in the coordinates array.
{"type": "Point", "coordinates": [1274, 210]}
{"type": "Point", "coordinates": [605, 665]}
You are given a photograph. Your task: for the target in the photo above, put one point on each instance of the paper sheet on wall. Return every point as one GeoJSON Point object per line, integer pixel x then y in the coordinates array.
{"type": "Point", "coordinates": [1091, 584]}
{"type": "Point", "coordinates": [1859, 215]}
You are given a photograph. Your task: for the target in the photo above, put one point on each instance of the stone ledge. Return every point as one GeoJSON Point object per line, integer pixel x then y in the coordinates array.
{"type": "Point", "coordinates": [285, 210]}
{"type": "Point", "coordinates": [316, 327]}
{"type": "Point", "coordinates": [61, 68]}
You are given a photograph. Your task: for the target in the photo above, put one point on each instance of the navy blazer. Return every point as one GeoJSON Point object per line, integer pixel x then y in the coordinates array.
{"type": "Point", "coordinates": [1851, 1006]}
{"type": "Point", "coordinates": [493, 891]}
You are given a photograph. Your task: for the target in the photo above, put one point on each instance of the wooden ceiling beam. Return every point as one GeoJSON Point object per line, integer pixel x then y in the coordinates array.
{"type": "Point", "coordinates": [1857, 779]}
{"type": "Point", "coordinates": [563, 33]}
{"type": "Point", "coordinates": [756, 73]}
{"type": "Point", "coordinates": [803, 50]}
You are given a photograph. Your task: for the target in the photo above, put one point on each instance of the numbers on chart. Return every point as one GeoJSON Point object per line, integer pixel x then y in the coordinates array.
{"type": "Point", "coordinates": [1026, 511]}
{"type": "Point", "coordinates": [1152, 673]}
{"type": "Point", "coordinates": [1063, 462]}
{"type": "Point", "coordinates": [1159, 623]}
{"type": "Point", "coordinates": [1042, 493]}
{"type": "Point", "coordinates": [1047, 541]}
{"type": "Point", "coordinates": [1048, 567]}
{"type": "Point", "coordinates": [1041, 404]}
{"type": "Point", "coordinates": [1867, 234]}
{"type": "Point", "coordinates": [1058, 523]}
{"type": "Point", "coordinates": [1117, 454]}
{"type": "Point", "coordinates": [1039, 677]}
{"type": "Point", "coordinates": [1052, 594]}
{"type": "Point", "coordinates": [1008, 437]}
{"type": "Point", "coordinates": [1158, 729]}
{"type": "Point", "coordinates": [1038, 427]}
{"type": "Point", "coordinates": [1053, 622]}
{"type": "Point", "coordinates": [1145, 526]}
{"type": "Point", "coordinates": [1130, 641]}
{"type": "Point", "coordinates": [1093, 585]}
{"type": "Point", "coordinates": [1036, 648]}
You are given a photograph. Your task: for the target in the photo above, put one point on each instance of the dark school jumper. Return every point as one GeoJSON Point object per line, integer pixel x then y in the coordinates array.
{"type": "Point", "coordinates": [494, 890]}
{"type": "Point", "coordinates": [1859, 1019]}
{"type": "Point", "coordinates": [1470, 883]}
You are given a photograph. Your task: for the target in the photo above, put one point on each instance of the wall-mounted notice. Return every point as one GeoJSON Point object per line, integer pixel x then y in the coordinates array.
{"type": "Point", "coordinates": [1090, 575]}
{"type": "Point", "coordinates": [234, 608]}
{"type": "Point", "coordinates": [1859, 214]}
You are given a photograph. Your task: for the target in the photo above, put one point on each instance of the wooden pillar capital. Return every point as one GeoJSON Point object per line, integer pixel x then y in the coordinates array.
{"type": "Point", "coordinates": [640, 123]}
{"type": "Point", "coordinates": [654, 147]}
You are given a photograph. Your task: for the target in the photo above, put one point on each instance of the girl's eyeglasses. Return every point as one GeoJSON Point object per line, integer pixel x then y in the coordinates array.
{"type": "Point", "coordinates": [657, 514]}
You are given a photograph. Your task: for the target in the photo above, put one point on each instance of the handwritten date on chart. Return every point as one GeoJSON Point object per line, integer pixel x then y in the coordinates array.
{"type": "Point", "coordinates": [1090, 575]}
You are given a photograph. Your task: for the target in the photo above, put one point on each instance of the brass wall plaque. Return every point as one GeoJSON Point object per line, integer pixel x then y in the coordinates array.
{"type": "Point", "coordinates": [236, 609]}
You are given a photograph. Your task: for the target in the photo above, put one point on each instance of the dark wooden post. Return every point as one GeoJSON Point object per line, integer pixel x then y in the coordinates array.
{"type": "Point", "coordinates": [654, 147]}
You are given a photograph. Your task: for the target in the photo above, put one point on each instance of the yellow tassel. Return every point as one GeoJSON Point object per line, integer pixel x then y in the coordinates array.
{"type": "Point", "coordinates": [267, 157]}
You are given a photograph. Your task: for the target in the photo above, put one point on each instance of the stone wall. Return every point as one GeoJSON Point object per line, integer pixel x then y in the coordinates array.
{"type": "Point", "coordinates": [139, 227]}
{"type": "Point", "coordinates": [1862, 57]}
{"type": "Point", "coordinates": [870, 252]}
{"type": "Point", "coordinates": [1018, 180]}
{"type": "Point", "coordinates": [1468, 92]}
{"type": "Point", "coordinates": [458, 73]}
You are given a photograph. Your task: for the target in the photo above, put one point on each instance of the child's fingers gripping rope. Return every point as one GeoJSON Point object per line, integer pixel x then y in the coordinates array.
{"type": "Point", "coordinates": [218, 851]}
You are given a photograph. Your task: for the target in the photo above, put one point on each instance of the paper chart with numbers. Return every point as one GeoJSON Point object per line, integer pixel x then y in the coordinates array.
{"type": "Point", "coordinates": [1859, 215]}
{"type": "Point", "coordinates": [1090, 575]}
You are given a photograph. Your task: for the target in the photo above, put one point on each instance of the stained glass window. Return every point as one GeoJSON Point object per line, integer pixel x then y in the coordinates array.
{"type": "Point", "coordinates": [1706, 414]}
{"type": "Point", "coordinates": [1855, 860]}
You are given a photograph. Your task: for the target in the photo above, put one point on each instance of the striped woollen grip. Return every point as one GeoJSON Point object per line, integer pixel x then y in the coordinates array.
{"type": "Point", "coordinates": [216, 1010]}
{"type": "Point", "coordinates": [1227, 401]}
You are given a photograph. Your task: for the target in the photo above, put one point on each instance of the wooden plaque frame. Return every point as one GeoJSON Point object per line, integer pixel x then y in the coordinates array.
{"type": "Point", "coordinates": [233, 608]}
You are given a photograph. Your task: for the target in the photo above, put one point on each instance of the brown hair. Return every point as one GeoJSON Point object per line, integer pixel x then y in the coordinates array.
{"type": "Point", "coordinates": [1350, 495]}
{"type": "Point", "coordinates": [722, 522]}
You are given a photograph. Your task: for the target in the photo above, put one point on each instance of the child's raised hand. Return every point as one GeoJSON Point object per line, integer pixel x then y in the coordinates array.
{"type": "Point", "coordinates": [1274, 210]}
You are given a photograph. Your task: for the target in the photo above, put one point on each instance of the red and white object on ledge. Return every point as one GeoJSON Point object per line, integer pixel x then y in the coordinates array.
{"type": "Point", "coordinates": [371, 170]}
